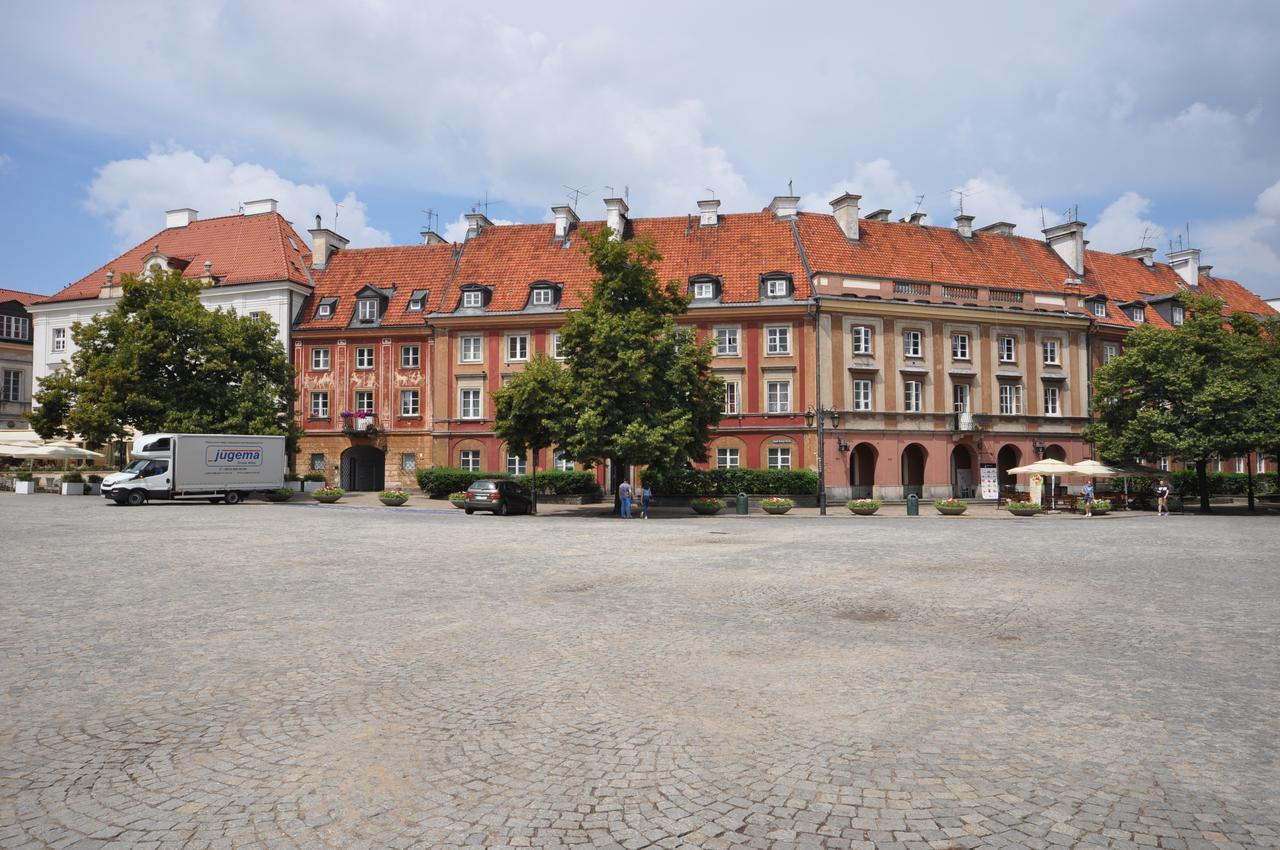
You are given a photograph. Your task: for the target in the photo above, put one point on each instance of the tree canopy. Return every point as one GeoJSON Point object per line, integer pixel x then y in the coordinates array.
{"type": "Point", "coordinates": [161, 361]}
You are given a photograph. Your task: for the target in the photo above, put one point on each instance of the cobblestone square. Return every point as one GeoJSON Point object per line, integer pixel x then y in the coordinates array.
{"type": "Point", "coordinates": [288, 676]}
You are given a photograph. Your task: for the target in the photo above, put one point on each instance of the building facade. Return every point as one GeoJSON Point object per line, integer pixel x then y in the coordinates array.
{"type": "Point", "coordinates": [15, 359]}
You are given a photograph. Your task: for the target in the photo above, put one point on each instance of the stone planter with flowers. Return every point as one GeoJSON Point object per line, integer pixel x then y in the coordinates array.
{"type": "Point", "coordinates": [707, 505]}
{"type": "Point", "coordinates": [951, 507]}
{"type": "Point", "coordinates": [777, 505]}
{"type": "Point", "coordinates": [328, 495]}
{"type": "Point", "coordinates": [863, 507]}
{"type": "Point", "coordinates": [459, 499]}
{"type": "Point", "coordinates": [72, 484]}
{"type": "Point", "coordinates": [393, 498]}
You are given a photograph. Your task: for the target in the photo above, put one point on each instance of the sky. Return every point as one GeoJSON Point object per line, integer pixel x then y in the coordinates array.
{"type": "Point", "coordinates": [1151, 121]}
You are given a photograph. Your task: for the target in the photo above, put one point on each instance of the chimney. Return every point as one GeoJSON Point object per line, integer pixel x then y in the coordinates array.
{"type": "Point", "coordinates": [1147, 255]}
{"type": "Point", "coordinates": [784, 206]}
{"type": "Point", "coordinates": [566, 218]}
{"type": "Point", "coordinates": [708, 213]}
{"type": "Point", "coordinates": [1187, 264]}
{"type": "Point", "coordinates": [845, 210]}
{"type": "Point", "coordinates": [180, 217]}
{"type": "Point", "coordinates": [208, 269]}
{"type": "Point", "coordinates": [879, 215]}
{"type": "Point", "coordinates": [999, 228]}
{"type": "Point", "coordinates": [430, 237]}
{"type": "Point", "coordinates": [1067, 241]}
{"type": "Point", "coordinates": [1205, 271]}
{"type": "Point", "coordinates": [324, 244]}
{"type": "Point", "coordinates": [964, 226]}
{"type": "Point", "coordinates": [616, 216]}
{"type": "Point", "coordinates": [266, 205]}
{"type": "Point", "coordinates": [476, 222]}
{"type": "Point", "coordinates": [916, 218]}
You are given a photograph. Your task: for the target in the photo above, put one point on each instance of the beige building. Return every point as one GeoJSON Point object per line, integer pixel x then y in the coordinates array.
{"type": "Point", "coordinates": [15, 359]}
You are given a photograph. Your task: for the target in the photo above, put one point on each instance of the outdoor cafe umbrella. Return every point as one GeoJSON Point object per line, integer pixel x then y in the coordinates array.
{"type": "Point", "coordinates": [1048, 466]}
{"type": "Point", "coordinates": [1093, 469]}
{"type": "Point", "coordinates": [57, 450]}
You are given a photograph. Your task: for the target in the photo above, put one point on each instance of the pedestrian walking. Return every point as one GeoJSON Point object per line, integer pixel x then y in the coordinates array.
{"type": "Point", "coordinates": [624, 497]}
{"type": "Point", "coordinates": [1162, 498]}
{"type": "Point", "coordinates": [646, 496]}
{"type": "Point", "coordinates": [1087, 495]}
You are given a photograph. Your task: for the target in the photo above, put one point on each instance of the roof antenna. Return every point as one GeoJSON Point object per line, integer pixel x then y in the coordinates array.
{"type": "Point", "coordinates": [919, 201]}
{"type": "Point", "coordinates": [612, 191]}
{"type": "Point", "coordinates": [626, 194]}
{"type": "Point", "coordinates": [1188, 226]}
{"type": "Point", "coordinates": [961, 194]}
{"type": "Point", "coordinates": [432, 216]}
{"type": "Point", "coordinates": [336, 207]}
{"type": "Point", "coordinates": [790, 190]}
{"type": "Point", "coordinates": [710, 191]}
{"type": "Point", "coordinates": [575, 195]}
{"type": "Point", "coordinates": [485, 203]}
{"type": "Point", "coordinates": [1044, 225]}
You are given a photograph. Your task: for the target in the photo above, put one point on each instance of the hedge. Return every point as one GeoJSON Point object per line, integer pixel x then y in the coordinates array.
{"type": "Point", "coordinates": [553, 482]}
{"type": "Point", "coordinates": [729, 482]}
{"type": "Point", "coordinates": [1222, 483]}
{"type": "Point", "coordinates": [439, 481]}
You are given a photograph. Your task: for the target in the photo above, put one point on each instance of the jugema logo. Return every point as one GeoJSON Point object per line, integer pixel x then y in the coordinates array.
{"type": "Point", "coordinates": [233, 456]}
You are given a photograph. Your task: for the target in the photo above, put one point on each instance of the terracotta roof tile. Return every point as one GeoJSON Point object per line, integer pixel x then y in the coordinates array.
{"type": "Point", "coordinates": [406, 269]}
{"type": "Point", "coordinates": [19, 296]}
{"type": "Point", "coordinates": [1236, 296]}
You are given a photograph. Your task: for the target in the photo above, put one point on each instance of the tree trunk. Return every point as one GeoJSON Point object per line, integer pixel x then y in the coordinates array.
{"type": "Point", "coordinates": [1202, 481]}
{"type": "Point", "coordinates": [617, 472]}
{"type": "Point", "coordinates": [1249, 469]}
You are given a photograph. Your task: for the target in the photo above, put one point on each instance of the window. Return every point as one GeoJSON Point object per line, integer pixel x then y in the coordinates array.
{"type": "Point", "coordinates": [776, 288]}
{"type": "Point", "coordinates": [1177, 313]}
{"type": "Point", "coordinates": [319, 359]}
{"type": "Point", "coordinates": [1008, 349]}
{"type": "Point", "coordinates": [518, 347]}
{"type": "Point", "coordinates": [911, 396]}
{"type": "Point", "coordinates": [470, 404]}
{"type": "Point", "coordinates": [472, 298]}
{"type": "Point", "coordinates": [1163, 463]}
{"type": "Point", "coordinates": [1110, 351]}
{"type": "Point", "coordinates": [726, 342]}
{"type": "Point", "coordinates": [364, 401]}
{"type": "Point", "coordinates": [1100, 309]}
{"type": "Point", "coordinates": [778, 340]}
{"type": "Point", "coordinates": [320, 405]}
{"type": "Point", "coordinates": [862, 394]}
{"type": "Point", "coordinates": [1050, 349]}
{"type": "Point", "coordinates": [778, 395]}
{"type": "Point", "coordinates": [959, 346]}
{"type": "Point", "coordinates": [960, 398]}
{"type": "Point", "coordinates": [731, 397]}
{"type": "Point", "coordinates": [1010, 399]}
{"type": "Point", "coordinates": [469, 459]}
{"type": "Point", "coordinates": [1051, 401]}
{"type": "Point", "coordinates": [11, 385]}
{"type": "Point", "coordinates": [517, 464]}
{"type": "Point", "coordinates": [912, 344]}
{"type": "Point", "coordinates": [1138, 314]}
{"type": "Point", "coordinates": [317, 462]}
{"type": "Point", "coordinates": [59, 339]}
{"type": "Point", "coordinates": [562, 462]}
{"type": "Point", "coordinates": [779, 457]}
{"type": "Point", "coordinates": [366, 309]}
{"type": "Point", "coordinates": [256, 314]}
{"type": "Point", "coordinates": [861, 339]}
{"type": "Point", "coordinates": [555, 347]}
{"type": "Point", "coordinates": [1240, 465]}
{"type": "Point", "coordinates": [726, 458]}
{"type": "Point", "coordinates": [542, 296]}
{"type": "Point", "coordinates": [704, 289]}
{"type": "Point", "coordinates": [409, 403]}
{"type": "Point", "coordinates": [408, 461]}
{"type": "Point", "coordinates": [15, 327]}
{"type": "Point", "coordinates": [324, 311]}
{"type": "Point", "coordinates": [1262, 464]}
{"type": "Point", "coordinates": [415, 305]}
{"type": "Point", "coordinates": [471, 349]}
{"type": "Point", "coordinates": [364, 357]}
{"type": "Point", "coordinates": [410, 356]}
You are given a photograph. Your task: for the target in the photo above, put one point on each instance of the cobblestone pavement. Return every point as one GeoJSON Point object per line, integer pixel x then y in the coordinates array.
{"type": "Point", "coordinates": [298, 676]}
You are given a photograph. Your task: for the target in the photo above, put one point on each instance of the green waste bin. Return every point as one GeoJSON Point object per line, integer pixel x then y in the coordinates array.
{"type": "Point", "coordinates": [742, 504]}
{"type": "Point", "coordinates": [913, 505]}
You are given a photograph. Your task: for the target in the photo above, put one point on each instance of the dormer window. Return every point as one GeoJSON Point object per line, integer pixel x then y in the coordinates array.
{"type": "Point", "coordinates": [1100, 309]}
{"type": "Point", "coordinates": [704, 288]}
{"type": "Point", "coordinates": [775, 286]}
{"type": "Point", "coordinates": [473, 298]}
{"type": "Point", "coordinates": [1138, 313]}
{"type": "Point", "coordinates": [417, 299]}
{"type": "Point", "coordinates": [367, 309]}
{"type": "Point", "coordinates": [325, 311]}
{"type": "Point", "coordinates": [1177, 314]}
{"type": "Point", "coordinates": [543, 296]}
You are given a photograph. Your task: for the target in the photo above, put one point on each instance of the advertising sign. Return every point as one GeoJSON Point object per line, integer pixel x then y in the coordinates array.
{"type": "Point", "coordinates": [224, 457]}
{"type": "Point", "coordinates": [990, 481]}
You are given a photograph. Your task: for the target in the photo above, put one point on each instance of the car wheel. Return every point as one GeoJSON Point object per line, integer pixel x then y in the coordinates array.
{"type": "Point", "coordinates": [233, 498]}
{"type": "Point", "coordinates": [503, 510]}
{"type": "Point", "coordinates": [469, 511]}
{"type": "Point", "coordinates": [136, 498]}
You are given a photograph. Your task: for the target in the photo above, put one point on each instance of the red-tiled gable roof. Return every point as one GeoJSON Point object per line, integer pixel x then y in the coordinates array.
{"type": "Point", "coordinates": [1236, 296]}
{"type": "Point", "coordinates": [20, 297]}
{"type": "Point", "coordinates": [406, 269]}
{"type": "Point", "coordinates": [940, 254]}
{"type": "Point", "coordinates": [1123, 279]}
{"type": "Point", "coordinates": [243, 249]}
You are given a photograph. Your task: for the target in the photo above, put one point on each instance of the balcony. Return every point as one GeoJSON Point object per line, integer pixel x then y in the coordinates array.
{"type": "Point", "coordinates": [1006, 296]}
{"type": "Point", "coordinates": [965, 422]}
{"type": "Point", "coordinates": [902, 287]}
{"type": "Point", "coordinates": [959, 293]}
{"type": "Point", "coordinates": [360, 423]}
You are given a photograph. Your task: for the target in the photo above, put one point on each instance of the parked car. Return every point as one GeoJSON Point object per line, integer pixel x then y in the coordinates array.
{"type": "Point", "coordinates": [497, 496]}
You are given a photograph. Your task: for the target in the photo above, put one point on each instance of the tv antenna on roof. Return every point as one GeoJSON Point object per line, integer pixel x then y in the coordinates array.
{"type": "Point", "coordinates": [612, 191]}
{"type": "Point", "coordinates": [960, 194]}
{"type": "Point", "coordinates": [485, 203]}
{"type": "Point", "coordinates": [919, 201]}
{"type": "Point", "coordinates": [433, 218]}
{"type": "Point", "coordinates": [790, 191]}
{"type": "Point", "coordinates": [575, 195]}
{"type": "Point", "coordinates": [626, 194]}
{"type": "Point", "coordinates": [709, 191]}
{"type": "Point", "coordinates": [1146, 234]}
{"type": "Point", "coordinates": [336, 207]}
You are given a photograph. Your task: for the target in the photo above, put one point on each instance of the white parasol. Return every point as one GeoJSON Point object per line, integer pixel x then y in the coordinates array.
{"type": "Point", "coordinates": [1051, 467]}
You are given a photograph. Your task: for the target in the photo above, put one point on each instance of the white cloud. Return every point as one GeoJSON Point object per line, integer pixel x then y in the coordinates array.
{"type": "Point", "coordinates": [990, 197]}
{"type": "Point", "coordinates": [456, 231]}
{"type": "Point", "coordinates": [1122, 226]}
{"type": "Point", "coordinates": [134, 193]}
{"type": "Point", "coordinates": [879, 184]}
{"type": "Point", "coordinates": [1200, 117]}
{"type": "Point", "coordinates": [1246, 248]}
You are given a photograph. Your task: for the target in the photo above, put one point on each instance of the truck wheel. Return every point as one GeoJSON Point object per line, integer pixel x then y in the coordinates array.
{"type": "Point", "coordinates": [136, 498]}
{"type": "Point", "coordinates": [234, 498]}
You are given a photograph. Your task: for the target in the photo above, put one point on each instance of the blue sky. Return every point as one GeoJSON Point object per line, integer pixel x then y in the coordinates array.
{"type": "Point", "coordinates": [1147, 117]}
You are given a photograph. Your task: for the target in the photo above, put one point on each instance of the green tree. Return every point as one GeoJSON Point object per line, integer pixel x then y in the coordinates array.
{"type": "Point", "coordinates": [1196, 392]}
{"type": "Point", "coordinates": [529, 410]}
{"type": "Point", "coordinates": [161, 361]}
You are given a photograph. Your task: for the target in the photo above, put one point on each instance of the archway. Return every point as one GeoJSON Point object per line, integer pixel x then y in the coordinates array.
{"type": "Point", "coordinates": [363, 468]}
{"type": "Point", "coordinates": [1007, 459]}
{"type": "Point", "coordinates": [862, 471]}
{"type": "Point", "coordinates": [1055, 452]}
{"type": "Point", "coordinates": [913, 459]}
{"type": "Point", "coordinates": [962, 472]}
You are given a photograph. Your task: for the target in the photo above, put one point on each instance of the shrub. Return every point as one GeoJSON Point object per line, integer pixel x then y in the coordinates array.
{"type": "Point", "coordinates": [94, 479]}
{"type": "Point", "coordinates": [554, 482]}
{"type": "Point", "coordinates": [72, 478]}
{"type": "Point", "coordinates": [292, 476]}
{"type": "Point", "coordinates": [730, 482]}
{"type": "Point", "coordinates": [1102, 504]}
{"type": "Point", "coordinates": [460, 496]}
{"type": "Point", "coordinates": [24, 475]}
{"type": "Point", "coordinates": [313, 476]}
{"type": "Point", "coordinates": [1025, 506]}
{"type": "Point", "coordinates": [439, 481]}
{"type": "Point", "coordinates": [284, 494]}
{"type": "Point", "coordinates": [1184, 483]}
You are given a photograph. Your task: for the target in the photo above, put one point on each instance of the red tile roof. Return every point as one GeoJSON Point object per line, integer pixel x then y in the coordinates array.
{"type": "Point", "coordinates": [1236, 296]}
{"type": "Point", "coordinates": [242, 248]}
{"type": "Point", "coordinates": [405, 269]}
{"type": "Point", "coordinates": [20, 297]}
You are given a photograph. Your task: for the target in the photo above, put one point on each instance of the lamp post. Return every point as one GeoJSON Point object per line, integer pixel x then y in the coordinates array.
{"type": "Point", "coordinates": [821, 416]}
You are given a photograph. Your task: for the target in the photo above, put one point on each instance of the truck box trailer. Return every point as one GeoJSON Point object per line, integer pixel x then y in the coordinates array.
{"type": "Point", "coordinates": [215, 467]}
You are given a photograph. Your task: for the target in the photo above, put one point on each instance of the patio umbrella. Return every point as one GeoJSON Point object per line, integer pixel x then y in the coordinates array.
{"type": "Point", "coordinates": [49, 451]}
{"type": "Point", "coordinates": [1093, 469]}
{"type": "Point", "coordinates": [1051, 467]}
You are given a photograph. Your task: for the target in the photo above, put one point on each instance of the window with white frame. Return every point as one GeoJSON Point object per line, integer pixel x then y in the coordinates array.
{"type": "Point", "coordinates": [1051, 401]}
{"type": "Point", "coordinates": [862, 395]}
{"type": "Point", "coordinates": [415, 305]}
{"type": "Point", "coordinates": [1177, 313]}
{"type": "Point", "coordinates": [775, 288]}
{"type": "Point", "coordinates": [518, 347]}
{"type": "Point", "coordinates": [1100, 309]}
{"type": "Point", "coordinates": [469, 459]}
{"type": "Point", "coordinates": [1110, 351]}
{"type": "Point", "coordinates": [517, 464]}
{"type": "Point", "coordinates": [562, 462]}
{"type": "Point", "coordinates": [704, 289]}
{"type": "Point", "coordinates": [408, 461]}
{"type": "Point", "coordinates": [1050, 349]}
{"type": "Point", "coordinates": [960, 398]}
{"type": "Point", "coordinates": [1163, 463]}
{"type": "Point", "coordinates": [364, 357]}
{"type": "Point", "coordinates": [912, 344]}
{"type": "Point", "coordinates": [777, 339]}
{"type": "Point", "coordinates": [779, 457]}
{"type": "Point", "coordinates": [727, 458]}
{"type": "Point", "coordinates": [1011, 399]}
{"type": "Point", "coordinates": [410, 356]}
{"type": "Point", "coordinates": [59, 339]}
{"type": "Point", "coordinates": [15, 327]}
{"type": "Point", "coordinates": [11, 385]}
{"type": "Point", "coordinates": [731, 392]}
{"type": "Point", "coordinates": [861, 339]}
{"type": "Point", "coordinates": [319, 359]}
{"type": "Point", "coordinates": [959, 346]}
{"type": "Point", "coordinates": [364, 401]}
{"type": "Point", "coordinates": [1138, 314]}
{"type": "Point", "coordinates": [320, 405]}
{"type": "Point", "coordinates": [409, 401]}
{"type": "Point", "coordinates": [367, 309]}
{"type": "Point", "coordinates": [1262, 464]}
{"type": "Point", "coordinates": [469, 403]}
{"type": "Point", "coordinates": [1008, 349]}
{"type": "Point", "coordinates": [778, 397]}
{"type": "Point", "coordinates": [1240, 465]}
{"type": "Point", "coordinates": [556, 351]}
{"type": "Point", "coordinates": [471, 349]}
{"type": "Point", "coordinates": [911, 395]}
{"type": "Point", "coordinates": [472, 298]}
{"type": "Point", "coordinates": [324, 311]}
{"type": "Point", "coordinates": [543, 296]}
{"type": "Point", "coordinates": [317, 462]}
{"type": "Point", "coordinates": [726, 342]}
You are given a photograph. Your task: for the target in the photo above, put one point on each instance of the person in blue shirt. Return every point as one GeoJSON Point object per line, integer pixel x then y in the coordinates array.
{"type": "Point", "coordinates": [1087, 495]}
{"type": "Point", "coordinates": [624, 498]}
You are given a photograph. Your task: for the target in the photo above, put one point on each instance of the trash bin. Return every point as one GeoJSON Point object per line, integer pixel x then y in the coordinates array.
{"type": "Point", "coordinates": [913, 505]}
{"type": "Point", "coordinates": [742, 504]}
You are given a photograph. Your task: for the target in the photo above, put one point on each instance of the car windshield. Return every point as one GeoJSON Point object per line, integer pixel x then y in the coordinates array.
{"type": "Point", "coordinates": [136, 466]}
{"type": "Point", "coordinates": [484, 485]}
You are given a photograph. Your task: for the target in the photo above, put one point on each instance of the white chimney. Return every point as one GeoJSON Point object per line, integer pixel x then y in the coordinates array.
{"type": "Point", "coordinates": [430, 237]}
{"type": "Point", "coordinates": [999, 228]}
{"type": "Point", "coordinates": [324, 244]}
{"type": "Point", "coordinates": [476, 222]}
{"type": "Point", "coordinates": [179, 218]}
{"type": "Point", "coordinates": [266, 205]}
{"type": "Point", "coordinates": [709, 213]}
{"type": "Point", "coordinates": [964, 226]}
{"type": "Point", "coordinates": [1206, 271]}
{"type": "Point", "coordinates": [1187, 264]}
{"type": "Point", "coordinates": [879, 215]}
{"type": "Point", "coordinates": [616, 211]}
{"type": "Point", "coordinates": [1147, 255]}
{"type": "Point", "coordinates": [1067, 241]}
{"type": "Point", "coordinates": [784, 206]}
{"type": "Point", "coordinates": [916, 218]}
{"type": "Point", "coordinates": [208, 269]}
{"type": "Point", "coordinates": [566, 218]}
{"type": "Point", "coordinates": [845, 211]}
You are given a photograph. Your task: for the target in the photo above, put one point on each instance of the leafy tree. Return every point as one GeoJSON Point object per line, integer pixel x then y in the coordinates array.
{"type": "Point", "coordinates": [161, 361]}
{"type": "Point", "coordinates": [1202, 390]}
{"type": "Point", "coordinates": [529, 410]}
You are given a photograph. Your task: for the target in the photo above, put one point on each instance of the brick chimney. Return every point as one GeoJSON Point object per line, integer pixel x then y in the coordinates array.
{"type": "Point", "coordinates": [566, 219]}
{"type": "Point", "coordinates": [845, 210]}
{"type": "Point", "coordinates": [1187, 264]}
{"type": "Point", "coordinates": [784, 206]}
{"type": "Point", "coordinates": [964, 226]}
{"type": "Point", "coordinates": [324, 244]}
{"type": "Point", "coordinates": [1067, 241]}
{"type": "Point", "coordinates": [708, 213]}
{"type": "Point", "coordinates": [180, 217]}
{"type": "Point", "coordinates": [616, 211]}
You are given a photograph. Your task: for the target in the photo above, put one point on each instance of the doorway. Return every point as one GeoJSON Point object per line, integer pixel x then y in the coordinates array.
{"type": "Point", "coordinates": [363, 469]}
{"type": "Point", "coordinates": [1008, 458]}
{"type": "Point", "coordinates": [913, 460]}
{"type": "Point", "coordinates": [962, 472]}
{"type": "Point", "coordinates": [862, 472]}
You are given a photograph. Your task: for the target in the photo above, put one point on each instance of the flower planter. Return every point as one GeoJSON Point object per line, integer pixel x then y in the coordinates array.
{"type": "Point", "coordinates": [458, 500]}
{"type": "Point", "coordinates": [326, 500]}
{"type": "Point", "coordinates": [707, 507]}
{"type": "Point", "coordinates": [24, 488]}
{"type": "Point", "coordinates": [776, 510]}
{"type": "Point", "coordinates": [93, 488]}
{"type": "Point", "coordinates": [73, 488]}
{"type": "Point", "coordinates": [1025, 511]}
{"type": "Point", "coordinates": [951, 507]}
{"type": "Point", "coordinates": [312, 486]}
{"type": "Point", "coordinates": [951, 511]}
{"type": "Point", "coordinates": [295, 486]}
{"type": "Point", "coordinates": [862, 507]}
{"type": "Point", "coordinates": [392, 503]}
{"type": "Point", "coordinates": [284, 494]}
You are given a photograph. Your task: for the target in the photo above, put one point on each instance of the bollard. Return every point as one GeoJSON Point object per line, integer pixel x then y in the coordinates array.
{"type": "Point", "coordinates": [913, 505]}
{"type": "Point", "coordinates": [742, 504]}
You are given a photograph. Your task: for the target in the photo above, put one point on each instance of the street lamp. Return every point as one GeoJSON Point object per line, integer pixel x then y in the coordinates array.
{"type": "Point", "coordinates": [1039, 447]}
{"type": "Point", "coordinates": [821, 415]}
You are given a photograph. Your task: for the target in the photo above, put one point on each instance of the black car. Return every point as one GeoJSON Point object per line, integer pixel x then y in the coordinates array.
{"type": "Point", "coordinates": [497, 496]}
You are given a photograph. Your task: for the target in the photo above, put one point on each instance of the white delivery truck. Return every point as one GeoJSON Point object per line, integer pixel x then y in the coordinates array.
{"type": "Point", "coordinates": [216, 467]}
